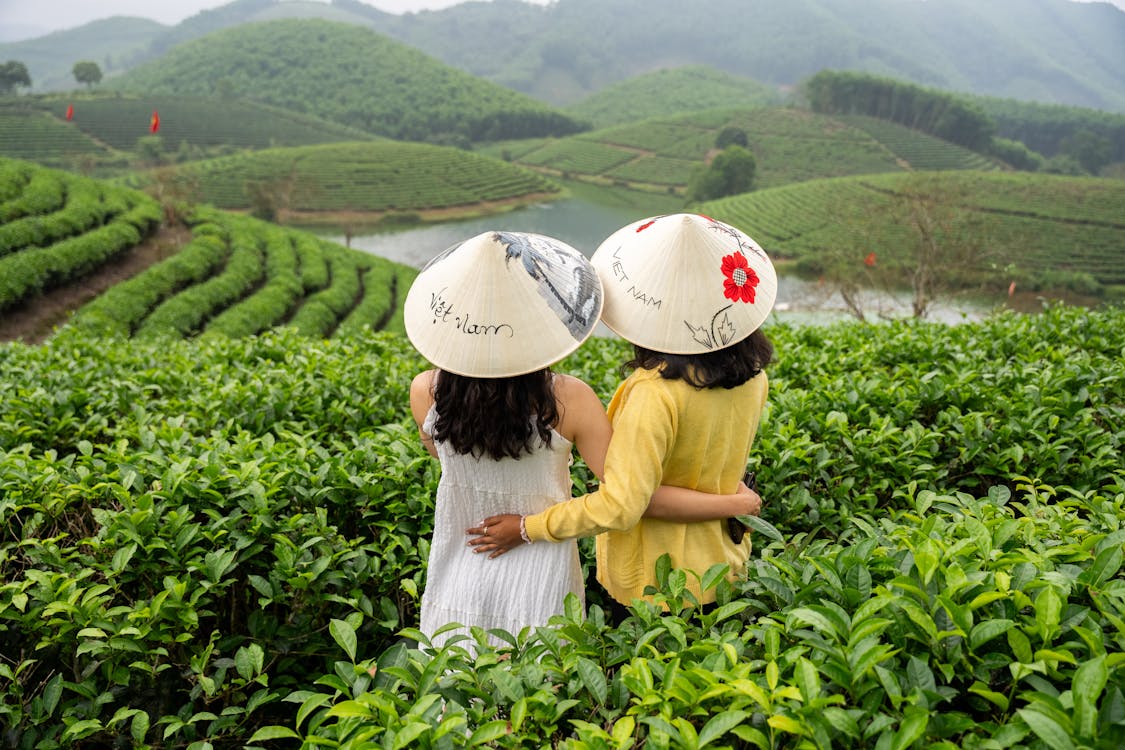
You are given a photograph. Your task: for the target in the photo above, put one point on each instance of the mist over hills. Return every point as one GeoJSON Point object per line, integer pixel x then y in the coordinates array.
{"type": "Point", "coordinates": [1053, 51]}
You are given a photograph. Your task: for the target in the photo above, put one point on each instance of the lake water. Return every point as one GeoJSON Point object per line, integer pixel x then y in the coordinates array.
{"type": "Point", "coordinates": [584, 225]}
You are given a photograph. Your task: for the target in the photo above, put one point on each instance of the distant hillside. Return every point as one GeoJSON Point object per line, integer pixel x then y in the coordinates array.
{"type": "Point", "coordinates": [113, 43]}
{"type": "Point", "coordinates": [1046, 231]}
{"type": "Point", "coordinates": [562, 52]}
{"type": "Point", "coordinates": [372, 178]}
{"type": "Point", "coordinates": [789, 145]}
{"type": "Point", "coordinates": [104, 131]}
{"type": "Point", "coordinates": [350, 75]}
{"type": "Point", "coordinates": [668, 92]}
{"type": "Point", "coordinates": [1058, 51]}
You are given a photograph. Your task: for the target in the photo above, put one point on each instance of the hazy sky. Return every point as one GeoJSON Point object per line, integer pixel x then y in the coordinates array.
{"type": "Point", "coordinates": [44, 16]}
{"type": "Point", "coordinates": [30, 18]}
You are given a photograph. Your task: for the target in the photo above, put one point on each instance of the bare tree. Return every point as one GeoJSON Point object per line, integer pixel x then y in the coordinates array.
{"type": "Point", "coordinates": [920, 235]}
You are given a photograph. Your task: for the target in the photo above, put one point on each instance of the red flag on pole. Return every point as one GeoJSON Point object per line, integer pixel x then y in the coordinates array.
{"type": "Point", "coordinates": [869, 261]}
{"type": "Point", "coordinates": [70, 111]}
{"type": "Point", "coordinates": [154, 123]}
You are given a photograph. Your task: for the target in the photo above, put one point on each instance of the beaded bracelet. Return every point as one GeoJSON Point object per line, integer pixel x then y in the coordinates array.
{"type": "Point", "coordinates": [523, 529]}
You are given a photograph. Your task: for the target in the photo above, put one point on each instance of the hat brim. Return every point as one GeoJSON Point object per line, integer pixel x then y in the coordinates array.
{"type": "Point", "coordinates": [684, 284]}
{"type": "Point", "coordinates": [503, 304]}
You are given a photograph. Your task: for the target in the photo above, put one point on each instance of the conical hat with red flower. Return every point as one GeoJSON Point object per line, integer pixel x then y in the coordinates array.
{"type": "Point", "coordinates": [684, 284]}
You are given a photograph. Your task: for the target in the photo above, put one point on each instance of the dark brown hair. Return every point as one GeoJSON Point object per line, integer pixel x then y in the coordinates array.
{"type": "Point", "coordinates": [495, 417]}
{"type": "Point", "coordinates": [729, 367]}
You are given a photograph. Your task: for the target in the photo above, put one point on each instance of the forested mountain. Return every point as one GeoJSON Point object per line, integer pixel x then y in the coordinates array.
{"type": "Point", "coordinates": [350, 75]}
{"type": "Point", "coordinates": [1053, 51]}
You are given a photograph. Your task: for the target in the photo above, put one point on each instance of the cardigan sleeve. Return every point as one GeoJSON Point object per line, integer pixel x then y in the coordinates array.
{"type": "Point", "coordinates": [644, 430]}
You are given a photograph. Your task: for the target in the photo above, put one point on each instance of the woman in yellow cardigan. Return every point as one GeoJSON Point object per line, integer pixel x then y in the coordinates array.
{"type": "Point", "coordinates": [690, 293]}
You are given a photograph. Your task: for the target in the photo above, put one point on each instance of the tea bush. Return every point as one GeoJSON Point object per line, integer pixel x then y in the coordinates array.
{"type": "Point", "coordinates": [220, 543]}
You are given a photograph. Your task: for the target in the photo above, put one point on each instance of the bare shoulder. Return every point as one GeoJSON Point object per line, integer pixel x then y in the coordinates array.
{"type": "Point", "coordinates": [423, 382]}
{"type": "Point", "coordinates": [422, 394]}
{"type": "Point", "coordinates": [572, 390]}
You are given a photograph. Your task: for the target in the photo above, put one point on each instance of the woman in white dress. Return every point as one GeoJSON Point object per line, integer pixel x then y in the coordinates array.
{"type": "Point", "coordinates": [492, 314]}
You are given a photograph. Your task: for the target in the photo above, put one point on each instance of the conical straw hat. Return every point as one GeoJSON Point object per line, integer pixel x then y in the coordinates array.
{"type": "Point", "coordinates": [684, 284]}
{"type": "Point", "coordinates": [502, 304]}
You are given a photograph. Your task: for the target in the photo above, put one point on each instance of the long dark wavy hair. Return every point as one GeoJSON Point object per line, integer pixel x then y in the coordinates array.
{"type": "Point", "coordinates": [728, 367]}
{"type": "Point", "coordinates": [495, 417]}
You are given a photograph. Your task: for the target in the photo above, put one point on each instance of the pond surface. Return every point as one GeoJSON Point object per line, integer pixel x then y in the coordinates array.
{"type": "Point", "coordinates": [584, 225]}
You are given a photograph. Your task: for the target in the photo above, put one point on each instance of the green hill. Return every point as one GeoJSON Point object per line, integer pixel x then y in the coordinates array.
{"type": "Point", "coordinates": [790, 145]}
{"type": "Point", "coordinates": [107, 128]}
{"type": "Point", "coordinates": [349, 75]}
{"type": "Point", "coordinates": [1046, 231]}
{"type": "Point", "coordinates": [371, 177]}
{"type": "Point", "coordinates": [669, 92]}
{"type": "Point", "coordinates": [562, 52]}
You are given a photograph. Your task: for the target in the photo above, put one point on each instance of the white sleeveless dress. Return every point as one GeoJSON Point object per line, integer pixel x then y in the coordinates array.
{"type": "Point", "coordinates": [522, 587]}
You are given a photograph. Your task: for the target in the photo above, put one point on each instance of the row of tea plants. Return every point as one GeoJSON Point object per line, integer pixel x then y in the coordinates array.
{"type": "Point", "coordinates": [221, 543]}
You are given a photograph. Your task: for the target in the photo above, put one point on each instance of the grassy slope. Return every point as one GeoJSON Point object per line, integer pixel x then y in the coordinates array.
{"type": "Point", "coordinates": [671, 91]}
{"type": "Point", "coordinates": [369, 177]}
{"type": "Point", "coordinates": [1046, 227]}
{"type": "Point", "coordinates": [347, 74]}
{"type": "Point", "coordinates": [790, 145]}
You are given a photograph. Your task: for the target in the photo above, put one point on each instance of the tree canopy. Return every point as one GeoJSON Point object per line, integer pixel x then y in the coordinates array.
{"type": "Point", "coordinates": [87, 72]}
{"type": "Point", "coordinates": [731, 172]}
{"type": "Point", "coordinates": [13, 74]}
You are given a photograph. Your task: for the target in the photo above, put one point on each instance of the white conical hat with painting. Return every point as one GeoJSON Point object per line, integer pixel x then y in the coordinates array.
{"type": "Point", "coordinates": [684, 284]}
{"type": "Point", "coordinates": [503, 304]}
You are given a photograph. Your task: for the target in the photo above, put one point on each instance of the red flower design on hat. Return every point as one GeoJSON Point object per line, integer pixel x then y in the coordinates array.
{"type": "Point", "coordinates": [741, 281]}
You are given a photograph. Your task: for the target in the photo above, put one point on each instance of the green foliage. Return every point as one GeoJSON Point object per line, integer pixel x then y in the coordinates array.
{"type": "Point", "coordinates": [731, 136]}
{"type": "Point", "coordinates": [87, 72]}
{"type": "Point", "coordinates": [731, 172]}
{"type": "Point", "coordinates": [1045, 127]}
{"type": "Point", "coordinates": [13, 75]}
{"type": "Point", "coordinates": [1089, 149]}
{"type": "Point", "coordinates": [937, 113]}
{"type": "Point", "coordinates": [222, 541]}
{"type": "Point", "coordinates": [349, 75]}
{"type": "Point", "coordinates": [1016, 154]}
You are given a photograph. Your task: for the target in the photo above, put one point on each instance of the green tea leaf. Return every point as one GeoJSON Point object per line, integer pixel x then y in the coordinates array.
{"type": "Point", "coordinates": [986, 630]}
{"type": "Point", "coordinates": [1088, 686]}
{"type": "Point", "coordinates": [345, 637]}
{"type": "Point", "coordinates": [274, 732]}
{"type": "Point", "coordinates": [1047, 729]}
{"type": "Point", "coordinates": [593, 678]}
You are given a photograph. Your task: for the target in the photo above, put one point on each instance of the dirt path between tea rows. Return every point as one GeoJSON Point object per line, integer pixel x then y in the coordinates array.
{"type": "Point", "coordinates": [37, 318]}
